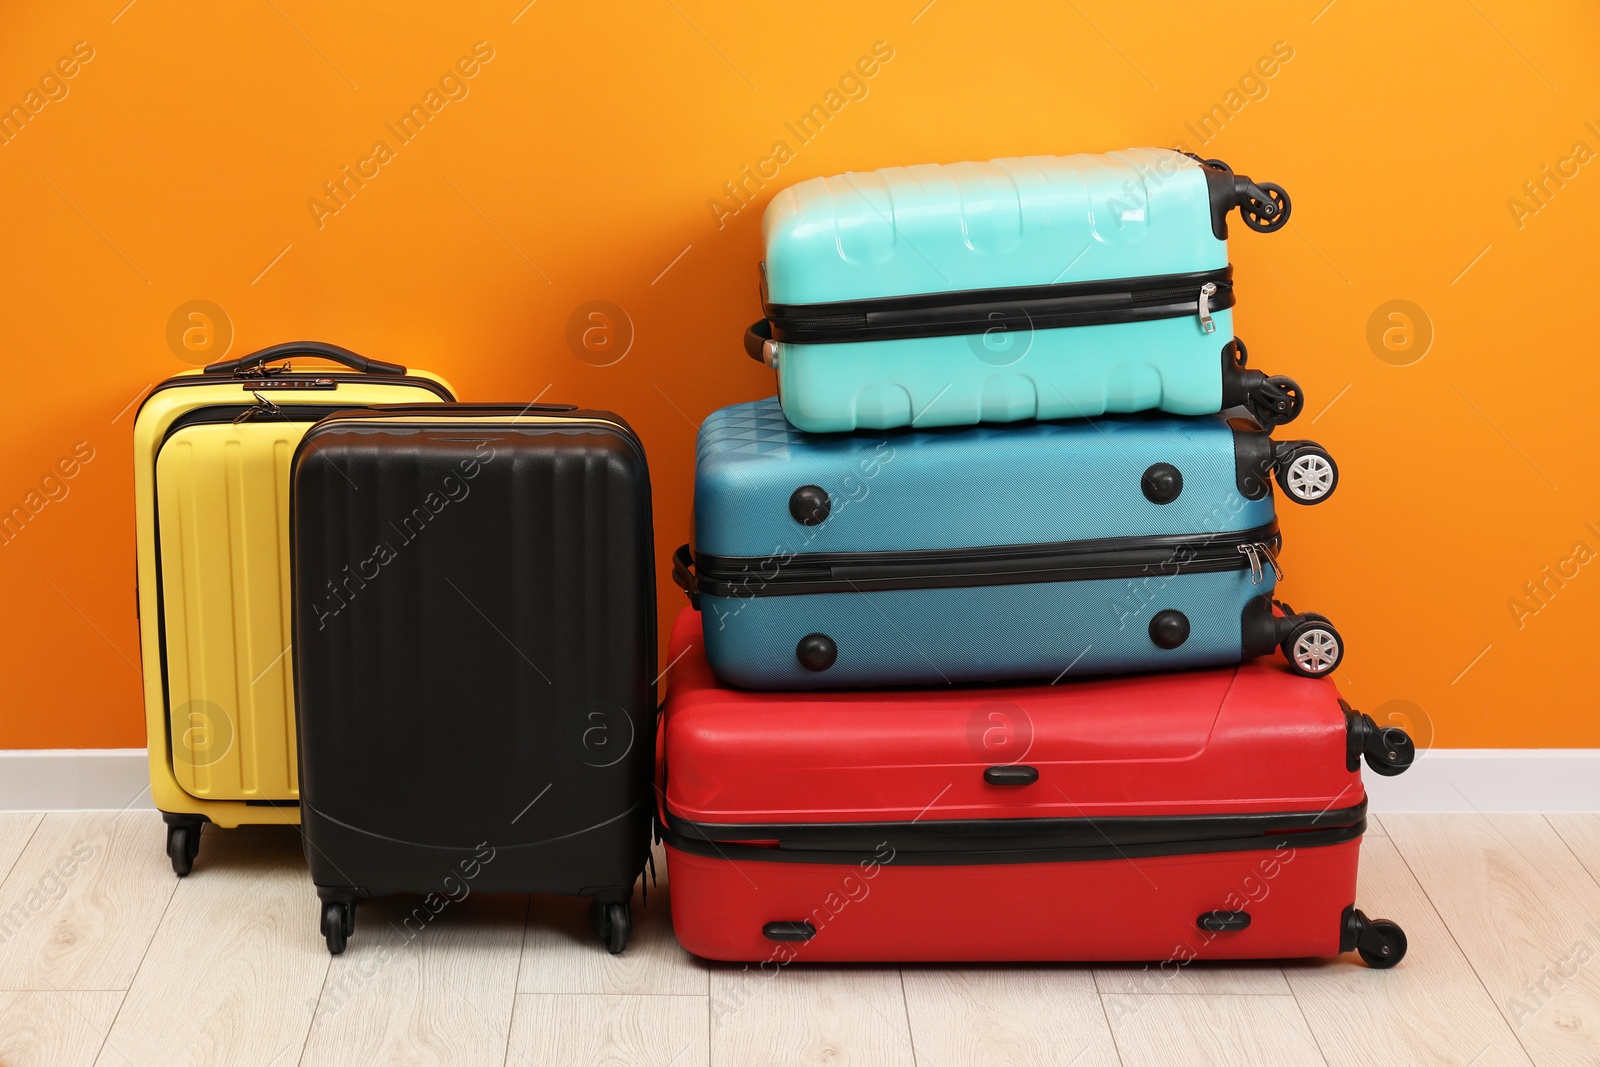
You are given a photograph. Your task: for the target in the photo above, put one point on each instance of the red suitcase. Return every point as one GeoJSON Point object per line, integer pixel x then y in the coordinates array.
{"type": "Point", "coordinates": [1203, 815]}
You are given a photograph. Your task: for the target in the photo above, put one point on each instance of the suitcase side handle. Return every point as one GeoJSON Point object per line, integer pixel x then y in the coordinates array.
{"type": "Point", "coordinates": [683, 574]}
{"type": "Point", "coordinates": [759, 345]}
{"type": "Point", "coordinates": [256, 362]}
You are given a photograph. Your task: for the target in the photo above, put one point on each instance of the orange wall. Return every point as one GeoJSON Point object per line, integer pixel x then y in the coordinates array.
{"type": "Point", "coordinates": [580, 166]}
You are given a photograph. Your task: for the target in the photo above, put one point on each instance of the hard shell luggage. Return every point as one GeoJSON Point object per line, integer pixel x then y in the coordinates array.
{"type": "Point", "coordinates": [1041, 287]}
{"type": "Point", "coordinates": [979, 554]}
{"type": "Point", "coordinates": [1203, 815]}
{"type": "Point", "coordinates": [474, 623]}
{"type": "Point", "coordinates": [211, 484]}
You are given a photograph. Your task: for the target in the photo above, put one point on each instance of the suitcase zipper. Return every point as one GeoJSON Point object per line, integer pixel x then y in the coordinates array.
{"type": "Point", "coordinates": [282, 378]}
{"type": "Point", "coordinates": [1256, 553]}
{"type": "Point", "coordinates": [1203, 305]}
{"type": "Point", "coordinates": [242, 413]}
{"type": "Point", "coordinates": [1168, 556]}
{"type": "Point", "coordinates": [958, 842]}
{"type": "Point", "coordinates": [262, 406]}
{"type": "Point", "coordinates": [1035, 307]}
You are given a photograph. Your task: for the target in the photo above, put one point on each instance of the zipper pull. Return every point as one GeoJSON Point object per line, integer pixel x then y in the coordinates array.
{"type": "Point", "coordinates": [1272, 559]}
{"type": "Point", "coordinates": [1252, 552]}
{"type": "Point", "coordinates": [262, 406]}
{"type": "Point", "coordinates": [1207, 291]}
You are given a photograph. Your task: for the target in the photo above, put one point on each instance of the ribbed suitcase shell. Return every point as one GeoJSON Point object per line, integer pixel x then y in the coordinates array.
{"type": "Point", "coordinates": [1007, 223]}
{"type": "Point", "coordinates": [212, 534]}
{"type": "Point", "coordinates": [738, 769]}
{"type": "Point", "coordinates": [475, 637]}
{"type": "Point", "coordinates": [904, 491]}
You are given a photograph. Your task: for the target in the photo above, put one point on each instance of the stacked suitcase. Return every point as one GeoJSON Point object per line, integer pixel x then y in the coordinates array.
{"type": "Point", "coordinates": [1000, 479]}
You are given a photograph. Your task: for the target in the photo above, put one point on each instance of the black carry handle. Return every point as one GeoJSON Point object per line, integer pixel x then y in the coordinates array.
{"type": "Point", "coordinates": [755, 340]}
{"type": "Point", "coordinates": [683, 574]}
{"type": "Point", "coordinates": [256, 362]}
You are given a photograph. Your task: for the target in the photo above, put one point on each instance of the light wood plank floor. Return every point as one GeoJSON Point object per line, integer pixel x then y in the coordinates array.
{"type": "Point", "coordinates": [106, 959]}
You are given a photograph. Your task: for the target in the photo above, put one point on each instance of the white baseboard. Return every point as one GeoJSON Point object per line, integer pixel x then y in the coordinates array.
{"type": "Point", "coordinates": [1549, 780]}
{"type": "Point", "coordinates": [1442, 780]}
{"type": "Point", "coordinates": [74, 779]}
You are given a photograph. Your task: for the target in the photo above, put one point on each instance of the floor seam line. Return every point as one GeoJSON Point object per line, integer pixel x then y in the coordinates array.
{"type": "Point", "coordinates": [1301, 1008]}
{"type": "Point", "coordinates": [516, 985]}
{"type": "Point", "coordinates": [105, 1042]}
{"type": "Point", "coordinates": [106, 1037]}
{"type": "Point", "coordinates": [1562, 838]}
{"type": "Point", "coordinates": [1116, 1048]}
{"type": "Point", "coordinates": [1484, 985]}
{"type": "Point", "coordinates": [905, 1003]}
{"type": "Point", "coordinates": [38, 821]}
{"type": "Point", "coordinates": [311, 1023]}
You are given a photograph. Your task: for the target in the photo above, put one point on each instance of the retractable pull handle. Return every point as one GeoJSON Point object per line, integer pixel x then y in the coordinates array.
{"type": "Point", "coordinates": [256, 362]}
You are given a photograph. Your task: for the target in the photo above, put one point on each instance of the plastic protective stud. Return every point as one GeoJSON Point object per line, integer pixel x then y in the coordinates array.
{"type": "Point", "coordinates": [809, 505]}
{"type": "Point", "coordinates": [816, 652]}
{"type": "Point", "coordinates": [1161, 483]}
{"type": "Point", "coordinates": [1169, 628]}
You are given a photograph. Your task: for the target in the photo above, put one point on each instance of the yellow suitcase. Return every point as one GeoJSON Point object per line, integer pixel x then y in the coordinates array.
{"type": "Point", "coordinates": [212, 449]}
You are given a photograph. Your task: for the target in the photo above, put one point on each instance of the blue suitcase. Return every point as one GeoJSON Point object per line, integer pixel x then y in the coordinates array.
{"type": "Point", "coordinates": [981, 554]}
{"type": "Point", "coordinates": [1043, 287]}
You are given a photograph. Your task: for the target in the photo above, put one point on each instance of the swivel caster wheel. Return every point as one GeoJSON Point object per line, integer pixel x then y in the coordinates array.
{"type": "Point", "coordinates": [613, 923]}
{"type": "Point", "coordinates": [183, 842]}
{"type": "Point", "coordinates": [1306, 472]}
{"type": "Point", "coordinates": [1384, 945]}
{"type": "Point", "coordinates": [338, 923]}
{"type": "Point", "coordinates": [1388, 750]}
{"type": "Point", "coordinates": [1313, 647]}
{"type": "Point", "coordinates": [1277, 400]}
{"type": "Point", "coordinates": [1380, 942]}
{"type": "Point", "coordinates": [1268, 212]}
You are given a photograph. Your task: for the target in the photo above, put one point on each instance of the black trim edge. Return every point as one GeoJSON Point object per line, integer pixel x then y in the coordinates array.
{"type": "Point", "coordinates": [948, 835]}
{"type": "Point", "coordinates": [743, 577]}
{"type": "Point", "coordinates": [971, 311]}
{"type": "Point", "coordinates": [906, 858]}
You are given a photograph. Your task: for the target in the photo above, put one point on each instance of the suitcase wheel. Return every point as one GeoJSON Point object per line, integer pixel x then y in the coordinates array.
{"type": "Point", "coordinates": [1265, 216]}
{"type": "Point", "coordinates": [183, 842]}
{"type": "Point", "coordinates": [1277, 400]}
{"type": "Point", "coordinates": [1313, 647]}
{"type": "Point", "coordinates": [1307, 473]}
{"type": "Point", "coordinates": [1388, 750]}
{"type": "Point", "coordinates": [338, 923]}
{"type": "Point", "coordinates": [1383, 945]}
{"type": "Point", "coordinates": [613, 923]}
{"type": "Point", "coordinates": [1380, 942]}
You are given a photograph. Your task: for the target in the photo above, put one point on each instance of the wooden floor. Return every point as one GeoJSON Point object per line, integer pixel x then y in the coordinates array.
{"type": "Point", "coordinates": [107, 959]}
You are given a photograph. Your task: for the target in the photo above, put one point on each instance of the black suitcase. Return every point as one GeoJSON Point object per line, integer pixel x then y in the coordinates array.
{"type": "Point", "coordinates": [475, 655]}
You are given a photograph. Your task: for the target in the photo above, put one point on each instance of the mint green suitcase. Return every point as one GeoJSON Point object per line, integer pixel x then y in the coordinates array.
{"type": "Point", "coordinates": [1042, 287]}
